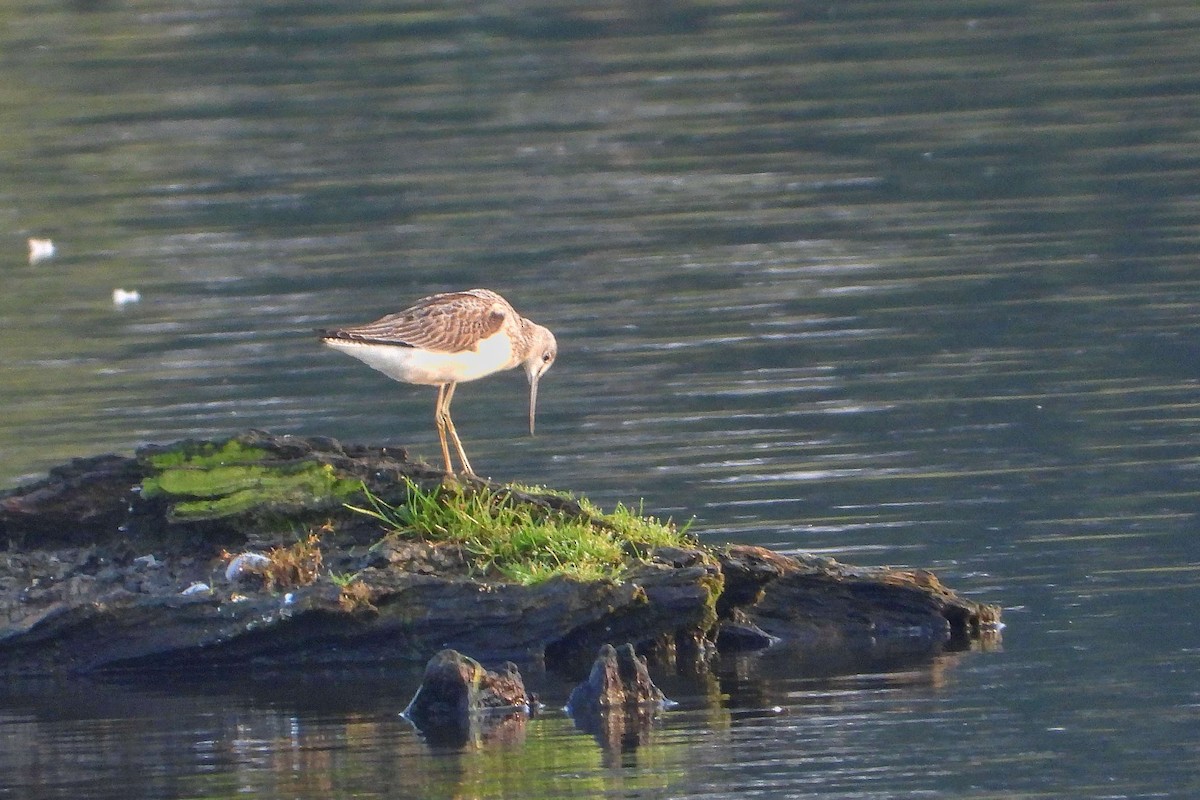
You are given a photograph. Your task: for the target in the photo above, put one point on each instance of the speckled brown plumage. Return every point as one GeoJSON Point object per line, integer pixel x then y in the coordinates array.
{"type": "Point", "coordinates": [445, 339]}
{"type": "Point", "coordinates": [444, 323]}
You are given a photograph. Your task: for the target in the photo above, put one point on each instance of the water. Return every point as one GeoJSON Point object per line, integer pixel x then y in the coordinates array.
{"type": "Point", "coordinates": [905, 283]}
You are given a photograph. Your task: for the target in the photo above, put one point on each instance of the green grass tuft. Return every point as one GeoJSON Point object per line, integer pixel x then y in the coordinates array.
{"type": "Point", "coordinates": [523, 542]}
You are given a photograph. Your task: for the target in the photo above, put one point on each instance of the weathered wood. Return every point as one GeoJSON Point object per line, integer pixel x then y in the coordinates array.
{"type": "Point", "coordinates": [618, 701]}
{"type": "Point", "coordinates": [819, 602]}
{"type": "Point", "coordinates": [456, 686]}
{"type": "Point", "coordinates": [125, 563]}
{"type": "Point", "coordinates": [618, 679]}
{"type": "Point", "coordinates": [459, 701]}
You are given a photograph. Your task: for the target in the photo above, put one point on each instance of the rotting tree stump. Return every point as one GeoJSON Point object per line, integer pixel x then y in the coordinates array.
{"type": "Point", "coordinates": [459, 701]}
{"type": "Point", "coordinates": [618, 701]}
{"type": "Point", "coordinates": [618, 679]}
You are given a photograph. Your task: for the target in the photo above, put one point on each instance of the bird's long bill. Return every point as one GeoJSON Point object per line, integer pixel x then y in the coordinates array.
{"type": "Point", "coordinates": [533, 382]}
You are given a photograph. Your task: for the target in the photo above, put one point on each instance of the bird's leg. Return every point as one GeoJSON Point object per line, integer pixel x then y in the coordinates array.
{"type": "Point", "coordinates": [462, 454]}
{"type": "Point", "coordinates": [441, 416]}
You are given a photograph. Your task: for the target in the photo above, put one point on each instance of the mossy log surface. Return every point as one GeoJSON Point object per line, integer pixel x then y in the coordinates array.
{"type": "Point", "coordinates": [128, 563]}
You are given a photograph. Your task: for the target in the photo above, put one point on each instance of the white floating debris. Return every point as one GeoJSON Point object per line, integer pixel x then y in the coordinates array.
{"type": "Point", "coordinates": [244, 564]}
{"type": "Point", "coordinates": [148, 561]}
{"type": "Point", "coordinates": [289, 598]}
{"type": "Point", "coordinates": [123, 297]}
{"type": "Point", "coordinates": [40, 250]}
{"type": "Point", "coordinates": [198, 587]}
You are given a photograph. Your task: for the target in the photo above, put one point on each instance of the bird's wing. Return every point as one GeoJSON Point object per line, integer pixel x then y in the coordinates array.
{"type": "Point", "coordinates": [445, 323]}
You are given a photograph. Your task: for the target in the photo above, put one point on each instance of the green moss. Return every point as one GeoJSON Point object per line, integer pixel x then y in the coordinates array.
{"type": "Point", "coordinates": [523, 542]}
{"type": "Point", "coordinates": [715, 586]}
{"type": "Point", "coordinates": [210, 481]}
{"type": "Point", "coordinates": [208, 454]}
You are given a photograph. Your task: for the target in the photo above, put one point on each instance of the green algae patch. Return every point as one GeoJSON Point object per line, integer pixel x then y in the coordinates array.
{"type": "Point", "coordinates": [216, 480]}
{"type": "Point", "coordinates": [202, 455]}
{"type": "Point", "coordinates": [714, 584]}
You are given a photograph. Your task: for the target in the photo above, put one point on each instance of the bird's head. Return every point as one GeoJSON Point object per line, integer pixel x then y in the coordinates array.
{"type": "Point", "coordinates": [543, 350]}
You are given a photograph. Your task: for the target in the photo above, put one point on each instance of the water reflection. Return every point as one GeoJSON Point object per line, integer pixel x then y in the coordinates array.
{"type": "Point", "coordinates": [345, 734]}
{"type": "Point", "coordinates": [903, 283]}
{"type": "Point", "coordinates": [488, 729]}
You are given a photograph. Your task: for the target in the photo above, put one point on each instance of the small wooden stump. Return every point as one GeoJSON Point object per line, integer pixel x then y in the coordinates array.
{"type": "Point", "coordinates": [459, 701]}
{"type": "Point", "coordinates": [618, 701]}
{"type": "Point", "coordinates": [619, 679]}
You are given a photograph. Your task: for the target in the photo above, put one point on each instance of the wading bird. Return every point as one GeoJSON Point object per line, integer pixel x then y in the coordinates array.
{"type": "Point", "coordinates": [447, 339]}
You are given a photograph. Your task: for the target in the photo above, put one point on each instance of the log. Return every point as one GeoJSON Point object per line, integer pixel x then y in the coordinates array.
{"type": "Point", "coordinates": [187, 555]}
{"type": "Point", "coordinates": [819, 601]}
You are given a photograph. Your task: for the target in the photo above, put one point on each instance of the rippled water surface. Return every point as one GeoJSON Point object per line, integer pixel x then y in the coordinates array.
{"type": "Point", "coordinates": [906, 283]}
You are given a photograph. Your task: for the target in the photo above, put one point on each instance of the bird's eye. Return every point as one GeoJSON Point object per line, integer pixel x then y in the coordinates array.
{"type": "Point", "coordinates": [547, 358]}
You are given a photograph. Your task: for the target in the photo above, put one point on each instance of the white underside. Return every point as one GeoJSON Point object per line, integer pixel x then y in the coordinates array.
{"type": "Point", "coordinates": [425, 367]}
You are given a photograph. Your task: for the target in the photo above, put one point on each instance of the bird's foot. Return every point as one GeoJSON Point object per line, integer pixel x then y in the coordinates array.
{"type": "Point", "coordinates": [454, 479]}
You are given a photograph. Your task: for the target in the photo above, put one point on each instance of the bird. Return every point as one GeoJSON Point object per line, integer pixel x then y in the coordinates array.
{"type": "Point", "coordinates": [447, 339]}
